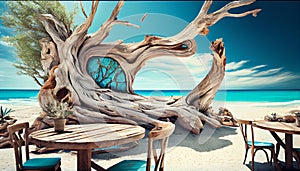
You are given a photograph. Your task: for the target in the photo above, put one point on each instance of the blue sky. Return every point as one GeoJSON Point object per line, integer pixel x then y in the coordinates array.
{"type": "Point", "coordinates": [262, 52]}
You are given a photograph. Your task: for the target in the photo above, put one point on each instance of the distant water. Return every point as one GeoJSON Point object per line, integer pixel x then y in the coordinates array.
{"type": "Point", "coordinates": [222, 95]}
{"type": "Point", "coordinates": [18, 96]}
{"type": "Point", "coordinates": [236, 95]}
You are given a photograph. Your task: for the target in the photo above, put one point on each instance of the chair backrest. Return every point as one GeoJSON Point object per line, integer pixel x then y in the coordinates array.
{"type": "Point", "coordinates": [162, 132]}
{"type": "Point", "coordinates": [243, 124]}
{"type": "Point", "coordinates": [18, 134]}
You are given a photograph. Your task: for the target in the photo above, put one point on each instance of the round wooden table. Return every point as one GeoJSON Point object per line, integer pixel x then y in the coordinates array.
{"type": "Point", "coordinates": [288, 129]}
{"type": "Point", "coordinates": [84, 138]}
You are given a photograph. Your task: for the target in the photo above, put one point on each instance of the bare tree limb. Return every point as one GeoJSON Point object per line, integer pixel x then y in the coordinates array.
{"type": "Point", "coordinates": [37, 81]}
{"type": "Point", "coordinates": [82, 9]}
{"type": "Point", "coordinates": [253, 12]}
{"type": "Point", "coordinates": [56, 29]}
{"type": "Point", "coordinates": [202, 95]}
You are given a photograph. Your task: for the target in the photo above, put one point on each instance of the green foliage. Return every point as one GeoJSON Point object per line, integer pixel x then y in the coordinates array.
{"type": "Point", "coordinates": [28, 30]}
{"type": "Point", "coordinates": [58, 109]}
{"type": "Point", "coordinates": [4, 112]}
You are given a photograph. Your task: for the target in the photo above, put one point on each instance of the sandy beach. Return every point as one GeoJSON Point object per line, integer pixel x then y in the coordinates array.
{"type": "Point", "coordinates": [213, 149]}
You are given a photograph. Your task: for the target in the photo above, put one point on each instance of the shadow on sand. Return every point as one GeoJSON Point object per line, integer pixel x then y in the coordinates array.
{"type": "Point", "coordinates": [210, 139]}
{"type": "Point", "coordinates": [267, 167]}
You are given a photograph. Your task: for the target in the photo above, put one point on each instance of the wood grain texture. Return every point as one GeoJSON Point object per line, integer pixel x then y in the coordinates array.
{"type": "Point", "coordinates": [288, 128]}
{"type": "Point", "coordinates": [88, 136]}
{"type": "Point", "coordinates": [84, 160]}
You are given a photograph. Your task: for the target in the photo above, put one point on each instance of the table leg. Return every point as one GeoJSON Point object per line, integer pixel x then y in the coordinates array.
{"type": "Point", "coordinates": [84, 157]}
{"type": "Point", "coordinates": [97, 167]}
{"type": "Point", "coordinates": [288, 150]}
{"type": "Point", "coordinates": [288, 147]}
{"type": "Point", "coordinates": [278, 139]}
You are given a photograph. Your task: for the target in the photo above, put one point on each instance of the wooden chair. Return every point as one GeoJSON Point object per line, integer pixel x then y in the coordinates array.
{"type": "Point", "coordinates": [295, 153]}
{"type": "Point", "coordinates": [256, 145]}
{"type": "Point", "coordinates": [17, 140]}
{"type": "Point", "coordinates": [161, 132]}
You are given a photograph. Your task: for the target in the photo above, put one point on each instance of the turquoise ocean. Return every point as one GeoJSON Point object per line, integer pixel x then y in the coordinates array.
{"type": "Point", "coordinates": [292, 96]}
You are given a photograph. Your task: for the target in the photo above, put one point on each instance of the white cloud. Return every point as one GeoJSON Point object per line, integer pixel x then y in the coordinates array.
{"type": "Point", "coordinates": [259, 66]}
{"type": "Point", "coordinates": [235, 65]}
{"type": "Point", "coordinates": [5, 43]}
{"type": "Point", "coordinates": [255, 77]}
{"type": "Point", "coordinates": [233, 82]}
{"type": "Point", "coordinates": [9, 79]}
{"type": "Point", "coordinates": [268, 72]}
{"type": "Point", "coordinates": [173, 73]}
{"type": "Point", "coordinates": [242, 72]}
{"type": "Point", "coordinates": [186, 73]}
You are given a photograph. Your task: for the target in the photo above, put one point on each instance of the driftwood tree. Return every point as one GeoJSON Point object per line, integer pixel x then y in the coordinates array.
{"type": "Point", "coordinates": [105, 93]}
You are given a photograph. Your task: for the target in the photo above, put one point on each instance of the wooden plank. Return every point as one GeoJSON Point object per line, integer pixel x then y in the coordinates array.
{"type": "Point", "coordinates": [89, 133]}
{"type": "Point", "coordinates": [289, 128]}
{"type": "Point", "coordinates": [49, 134]}
{"type": "Point", "coordinates": [57, 136]}
{"type": "Point", "coordinates": [117, 142]}
{"type": "Point", "coordinates": [41, 133]}
{"type": "Point", "coordinates": [95, 136]}
{"type": "Point", "coordinates": [85, 136]}
{"type": "Point", "coordinates": [117, 134]}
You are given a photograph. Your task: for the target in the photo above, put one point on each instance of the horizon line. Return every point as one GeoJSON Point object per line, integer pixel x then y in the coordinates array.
{"type": "Point", "coordinates": [277, 89]}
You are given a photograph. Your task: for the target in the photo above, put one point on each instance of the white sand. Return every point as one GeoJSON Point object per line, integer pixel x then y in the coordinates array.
{"type": "Point", "coordinates": [213, 149]}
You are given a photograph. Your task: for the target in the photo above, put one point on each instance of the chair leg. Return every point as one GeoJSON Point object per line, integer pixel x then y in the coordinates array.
{"type": "Point", "coordinates": [277, 148]}
{"type": "Point", "coordinates": [274, 158]}
{"type": "Point", "coordinates": [252, 162]}
{"type": "Point", "coordinates": [246, 155]}
{"type": "Point", "coordinates": [269, 161]}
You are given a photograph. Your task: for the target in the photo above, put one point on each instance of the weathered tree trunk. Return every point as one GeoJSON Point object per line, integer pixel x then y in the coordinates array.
{"type": "Point", "coordinates": [70, 81]}
{"type": "Point", "coordinates": [202, 95]}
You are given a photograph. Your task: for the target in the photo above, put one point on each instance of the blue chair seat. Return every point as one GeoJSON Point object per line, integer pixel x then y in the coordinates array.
{"type": "Point", "coordinates": [130, 165]}
{"type": "Point", "coordinates": [41, 163]}
{"type": "Point", "coordinates": [261, 144]}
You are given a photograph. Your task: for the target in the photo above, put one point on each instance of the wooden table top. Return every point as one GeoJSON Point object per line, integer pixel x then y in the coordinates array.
{"type": "Point", "coordinates": [288, 128]}
{"type": "Point", "coordinates": [87, 136]}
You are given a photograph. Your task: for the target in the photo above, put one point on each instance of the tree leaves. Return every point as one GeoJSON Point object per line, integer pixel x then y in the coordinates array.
{"type": "Point", "coordinates": [22, 17]}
